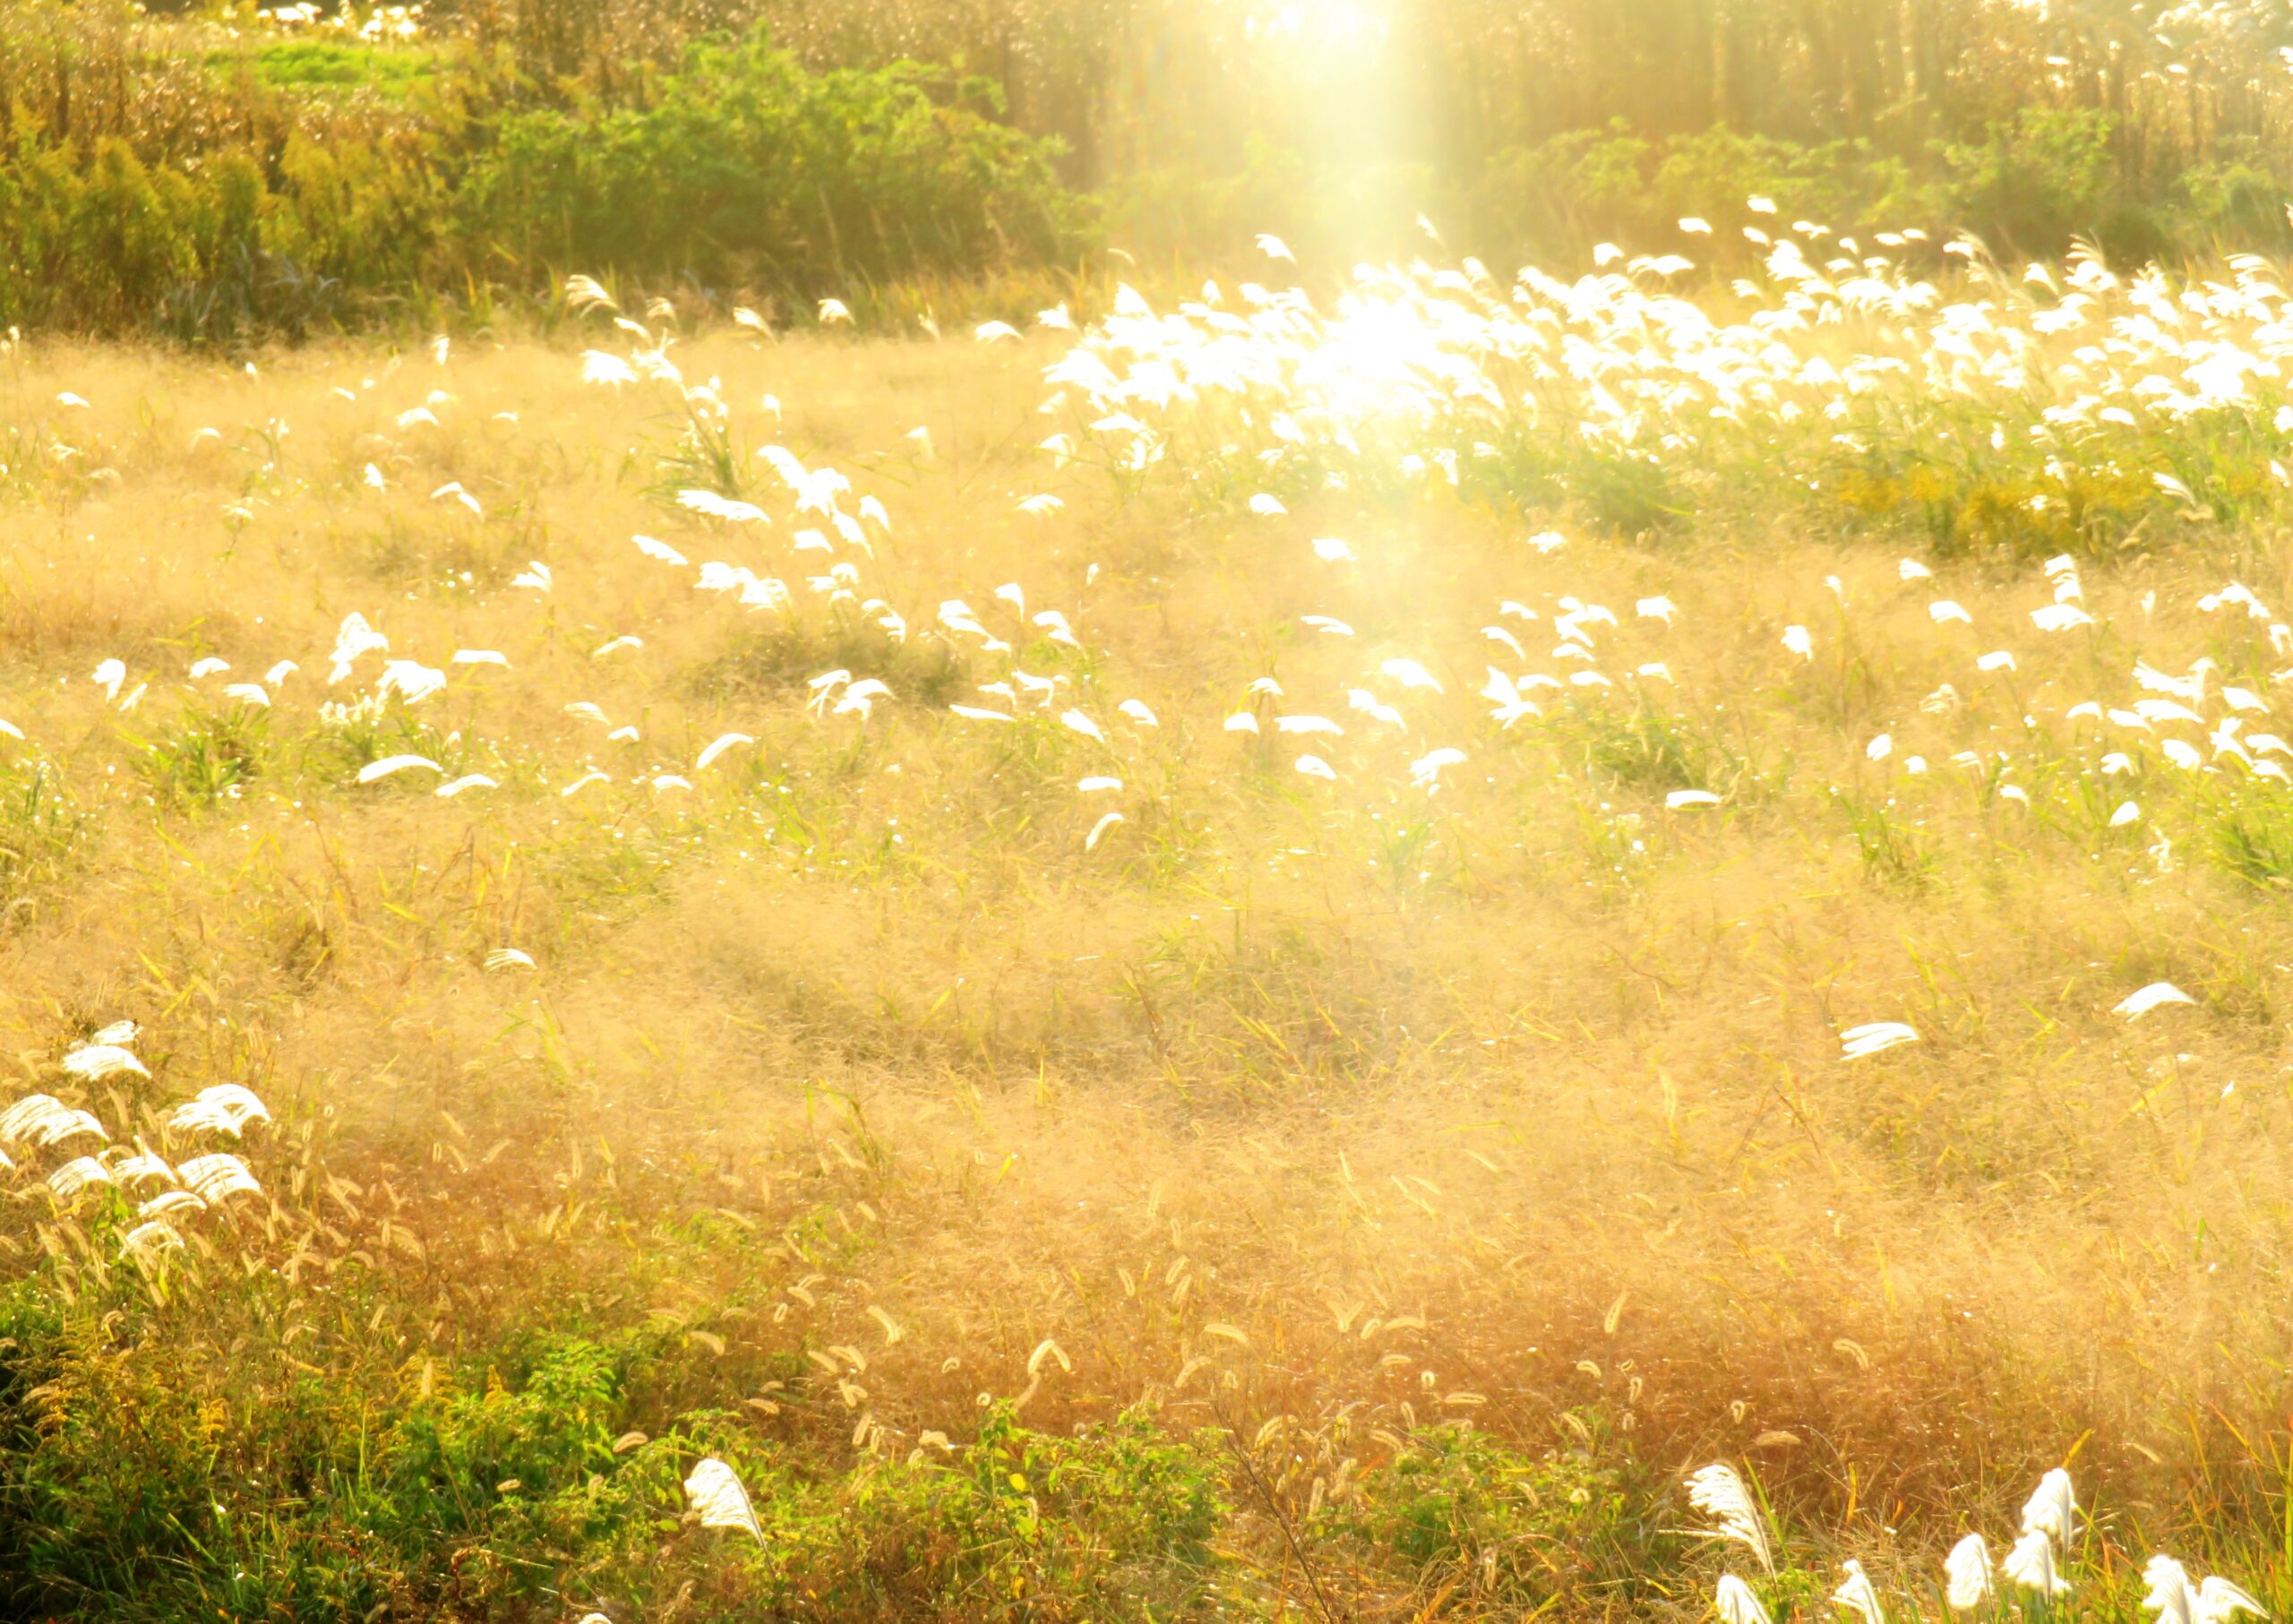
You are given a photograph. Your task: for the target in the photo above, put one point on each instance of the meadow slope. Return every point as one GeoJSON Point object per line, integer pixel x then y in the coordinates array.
{"type": "Point", "coordinates": [1357, 1195]}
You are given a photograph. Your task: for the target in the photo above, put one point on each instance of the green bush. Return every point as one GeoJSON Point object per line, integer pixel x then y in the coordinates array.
{"type": "Point", "coordinates": [1842, 184]}
{"type": "Point", "coordinates": [304, 185]}
{"type": "Point", "coordinates": [389, 71]}
{"type": "Point", "coordinates": [746, 170]}
{"type": "Point", "coordinates": [2032, 185]}
{"type": "Point", "coordinates": [167, 1478]}
{"type": "Point", "coordinates": [2235, 202]}
{"type": "Point", "coordinates": [1455, 1508]}
{"type": "Point", "coordinates": [1582, 186]}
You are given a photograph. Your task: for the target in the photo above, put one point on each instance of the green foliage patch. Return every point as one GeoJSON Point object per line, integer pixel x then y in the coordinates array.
{"type": "Point", "coordinates": [307, 185]}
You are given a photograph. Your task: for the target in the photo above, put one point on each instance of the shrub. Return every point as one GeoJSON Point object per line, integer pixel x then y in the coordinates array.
{"type": "Point", "coordinates": [2235, 202]}
{"type": "Point", "coordinates": [298, 186]}
{"type": "Point", "coordinates": [748, 171]}
{"type": "Point", "coordinates": [1576, 187]}
{"type": "Point", "coordinates": [1457, 1508]}
{"type": "Point", "coordinates": [2033, 185]}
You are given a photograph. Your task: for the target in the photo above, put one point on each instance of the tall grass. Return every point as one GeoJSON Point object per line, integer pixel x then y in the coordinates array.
{"type": "Point", "coordinates": [1354, 1193]}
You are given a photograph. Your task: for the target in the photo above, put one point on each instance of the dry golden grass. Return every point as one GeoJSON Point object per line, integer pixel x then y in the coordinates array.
{"type": "Point", "coordinates": [1519, 1120]}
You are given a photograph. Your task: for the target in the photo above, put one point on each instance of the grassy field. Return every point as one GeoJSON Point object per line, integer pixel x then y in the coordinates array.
{"type": "Point", "coordinates": [1318, 1092]}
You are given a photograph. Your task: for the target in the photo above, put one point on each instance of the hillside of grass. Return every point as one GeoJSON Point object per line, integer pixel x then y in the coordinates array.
{"type": "Point", "coordinates": [1244, 961]}
{"type": "Point", "coordinates": [776, 843]}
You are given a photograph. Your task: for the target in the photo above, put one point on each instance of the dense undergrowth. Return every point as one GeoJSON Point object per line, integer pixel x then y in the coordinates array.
{"type": "Point", "coordinates": [217, 193]}
{"type": "Point", "coordinates": [2030, 186]}
{"type": "Point", "coordinates": [305, 1462]}
{"type": "Point", "coordinates": [219, 184]}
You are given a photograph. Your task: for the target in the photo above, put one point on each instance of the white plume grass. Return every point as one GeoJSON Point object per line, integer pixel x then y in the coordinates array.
{"type": "Point", "coordinates": [2171, 1596]}
{"type": "Point", "coordinates": [375, 771]}
{"type": "Point", "coordinates": [41, 1119]}
{"type": "Point", "coordinates": [1717, 1492]}
{"type": "Point", "coordinates": [2030, 1565]}
{"type": "Point", "coordinates": [2052, 1509]}
{"type": "Point", "coordinates": [2158, 994]}
{"type": "Point", "coordinates": [223, 1108]}
{"type": "Point", "coordinates": [2218, 1601]}
{"type": "Point", "coordinates": [1857, 1043]}
{"type": "Point", "coordinates": [716, 1493]}
{"type": "Point", "coordinates": [1735, 1603]}
{"type": "Point", "coordinates": [93, 1062]}
{"type": "Point", "coordinates": [718, 746]}
{"type": "Point", "coordinates": [212, 1178]}
{"type": "Point", "coordinates": [1857, 1595]}
{"type": "Point", "coordinates": [1967, 1577]}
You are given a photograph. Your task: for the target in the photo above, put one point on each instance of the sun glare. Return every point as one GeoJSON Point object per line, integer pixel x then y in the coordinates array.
{"type": "Point", "coordinates": [1188, 810]}
{"type": "Point", "coordinates": [1323, 24]}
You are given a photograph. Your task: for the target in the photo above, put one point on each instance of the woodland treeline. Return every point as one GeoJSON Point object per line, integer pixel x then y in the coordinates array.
{"type": "Point", "coordinates": [1129, 82]}
{"type": "Point", "coordinates": [201, 167]}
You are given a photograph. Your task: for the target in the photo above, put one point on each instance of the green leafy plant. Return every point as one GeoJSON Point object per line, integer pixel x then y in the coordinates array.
{"type": "Point", "coordinates": [204, 755]}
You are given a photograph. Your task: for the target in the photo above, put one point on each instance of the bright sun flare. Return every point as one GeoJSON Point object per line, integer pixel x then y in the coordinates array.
{"type": "Point", "coordinates": [1323, 24]}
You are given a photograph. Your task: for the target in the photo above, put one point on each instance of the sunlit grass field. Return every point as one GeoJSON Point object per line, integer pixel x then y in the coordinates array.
{"type": "Point", "coordinates": [1274, 958]}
